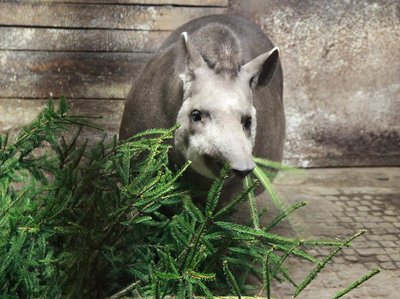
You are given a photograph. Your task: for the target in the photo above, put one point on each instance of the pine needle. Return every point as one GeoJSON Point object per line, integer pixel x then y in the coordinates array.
{"type": "Point", "coordinates": [231, 279]}
{"type": "Point", "coordinates": [284, 214]}
{"type": "Point", "coordinates": [251, 199]}
{"type": "Point", "coordinates": [313, 274]}
{"type": "Point", "coordinates": [356, 283]}
{"type": "Point", "coordinates": [266, 182]}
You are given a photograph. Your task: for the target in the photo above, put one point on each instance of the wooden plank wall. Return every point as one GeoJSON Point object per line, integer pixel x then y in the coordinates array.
{"type": "Point", "coordinates": [89, 51]}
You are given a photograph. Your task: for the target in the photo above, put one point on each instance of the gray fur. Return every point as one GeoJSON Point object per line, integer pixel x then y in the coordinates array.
{"type": "Point", "coordinates": [224, 67]}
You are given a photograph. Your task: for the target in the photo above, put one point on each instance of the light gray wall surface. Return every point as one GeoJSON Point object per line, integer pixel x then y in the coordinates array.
{"type": "Point", "coordinates": [341, 62]}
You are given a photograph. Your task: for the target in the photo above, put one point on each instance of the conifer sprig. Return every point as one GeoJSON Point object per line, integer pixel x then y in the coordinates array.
{"type": "Point", "coordinates": [313, 274]}
{"type": "Point", "coordinates": [356, 283]}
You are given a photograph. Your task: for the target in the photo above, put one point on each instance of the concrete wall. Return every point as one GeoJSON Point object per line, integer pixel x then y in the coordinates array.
{"type": "Point", "coordinates": [341, 62]}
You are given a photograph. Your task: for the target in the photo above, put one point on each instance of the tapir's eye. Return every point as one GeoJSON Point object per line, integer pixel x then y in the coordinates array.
{"type": "Point", "coordinates": [196, 115]}
{"type": "Point", "coordinates": [247, 123]}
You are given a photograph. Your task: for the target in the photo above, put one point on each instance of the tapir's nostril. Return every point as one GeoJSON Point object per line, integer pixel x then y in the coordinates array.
{"type": "Point", "coordinates": [242, 173]}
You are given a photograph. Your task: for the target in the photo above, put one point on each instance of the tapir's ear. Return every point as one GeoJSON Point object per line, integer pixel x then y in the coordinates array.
{"type": "Point", "coordinates": [193, 57]}
{"type": "Point", "coordinates": [262, 68]}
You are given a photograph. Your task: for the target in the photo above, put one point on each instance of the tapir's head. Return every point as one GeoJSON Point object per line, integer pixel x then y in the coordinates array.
{"type": "Point", "coordinates": [217, 117]}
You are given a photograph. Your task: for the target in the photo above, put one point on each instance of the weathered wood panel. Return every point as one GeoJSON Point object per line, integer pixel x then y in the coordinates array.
{"type": "Point", "coordinates": [28, 74]}
{"type": "Point", "coordinates": [78, 15]}
{"type": "Point", "coordinates": [148, 2]}
{"type": "Point", "coordinates": [16, 113]}
{"type": "Point", "coordinates": [19, 38]}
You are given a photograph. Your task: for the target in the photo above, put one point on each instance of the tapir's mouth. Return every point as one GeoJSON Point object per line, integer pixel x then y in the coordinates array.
{"type": "Point", "coordinates": [214, 165]}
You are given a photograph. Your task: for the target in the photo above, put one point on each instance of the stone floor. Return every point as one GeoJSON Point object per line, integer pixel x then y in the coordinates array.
{"type": "Point", "coordinates": [341, 202]}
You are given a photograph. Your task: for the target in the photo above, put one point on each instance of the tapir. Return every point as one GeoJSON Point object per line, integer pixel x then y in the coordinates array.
{"type": "Point", "coordinates": [219, 77]}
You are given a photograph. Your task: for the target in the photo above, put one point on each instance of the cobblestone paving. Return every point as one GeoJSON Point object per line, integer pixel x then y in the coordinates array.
{"type": "Point", "coordinates": [341, 202]}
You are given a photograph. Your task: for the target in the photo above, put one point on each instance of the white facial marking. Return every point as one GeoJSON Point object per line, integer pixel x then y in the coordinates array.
{"type": "Point", "coordinates": [224, 104]}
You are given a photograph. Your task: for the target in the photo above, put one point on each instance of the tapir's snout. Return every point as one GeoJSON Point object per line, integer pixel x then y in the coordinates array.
{"type": "Point", "coordinates": [244, 169]}
{"type": "Point", "coordinates": [240, 170]}
{"type": "Point", "coordinates": [236, 151]}
{"type": "Point", "coordinates": [242, 173]}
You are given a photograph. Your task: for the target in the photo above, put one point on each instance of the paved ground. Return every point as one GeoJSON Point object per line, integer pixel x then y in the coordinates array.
{"type": "Point", "coordinates": [341, 202]}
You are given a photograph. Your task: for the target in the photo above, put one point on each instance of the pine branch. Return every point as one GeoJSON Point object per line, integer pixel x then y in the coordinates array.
{"type": "Point", "coordinates": [266, 274]}
{"type": "Point", "coordinates": [278, 266]}
{"type": "Point", "coordinates": [265, 181]}
{"type": "Point", "coordinates": [126, 291]}
{"type": "Point", "coordinates": [215, 191]}
{"type": "Point", "coordinates": [312, 275]}
{"type": "Point", "coordinates": [274, 165]}
{"type": "Point", "coordinates": [252, 203]}
{"type": "Point", "coordinates": [356, 283]}
{"type": "Point", "coordinates": [229, 208]}
{"type": "Point", "coordinates": [284, 214]}
{"type": "Point", "coordinates": [231, 279]}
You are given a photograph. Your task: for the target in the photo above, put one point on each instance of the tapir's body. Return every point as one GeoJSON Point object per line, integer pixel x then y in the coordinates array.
{"type": "Point", "coordinates": [162, 91]}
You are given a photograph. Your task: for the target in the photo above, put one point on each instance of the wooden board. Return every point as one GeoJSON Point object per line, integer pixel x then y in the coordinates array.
{"type": "Point", "coordinates": [147, 2]}
{"type": "Point", "coordinates": [16, 113]}
{"type": "Point", "coordinates": [19, 38]}
{"type": "Point", "coordinates": [77, 15]}
{"type": "Point", "coordinates": [28, 74]}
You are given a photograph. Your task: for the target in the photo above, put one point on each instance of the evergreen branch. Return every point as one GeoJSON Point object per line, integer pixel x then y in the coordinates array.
{"type": "Point", "coordinates": [207, 293]}
{"type": "Point", "coordinates": [125, 291]}
{"type": "Point", "coordinates": [297, 252]}
{"type": "Point", "coordinates": [228, 208]}
{"type": "Point", "coordinates": [252, 203]}
{"type": "Point", "coordinates": [283, 258]}
{"type": "Point", "coordinates": [135, 203]}
{"type": "Point", "coordinates": [215, 191]}
{"type": "Point", "coordinates": [85, 116]}
{"type": "Point", "coordinates": [285, 274]}
{"type": "Point", "coordinates": [211, 203]}
{"type": "Point", "coordinates": [17, 242]}
{"type": "Point", "coordinates": [192, 209]}
{"type": "Point", "coordinates": [273, 164]}
{"type": "Point", "coordinates": [180, 293]}
{"type": "Point", "coordinates": [231, 279]}
{"type": "Point", "coordinates": [164, 133]}
{"type": "Point", "coordinates": [189, 289]}
{"type": "Point", "coordinates": [193, 245]}
{"type": "Point", "coordinates": [242, 263]}
{"type": "Point", "coordinates": [71, 121]}
{"type": "Point", "coordinates": [4, 141]}
{"type": "Point", "coordinates": [325, 243]}
{"type": "Point", "coordinates": [155, 282]}
{"type": "Point", "coordinates": [167, 276]}
{"type": "Point", "coordinates": [172, 180]}
{"type": "Point", "coordinates": [272, 238]}
{"type": "Point", "coordinates": [311, 276]}
{"type": "Point", "coordinates": [12, 203]}
{"type": "Point", "coordinates": [266, 274]}
{"type": "Point", "coordinates": [200, 276]}
{"type": "Point", "coordinates": [356, 283]}
{"type": "Point", "coordinates": [265, 181]}
{"type": "Point", "coordinates": [284, 214]}
{"type": "Point", "coordinates": [110, 228]}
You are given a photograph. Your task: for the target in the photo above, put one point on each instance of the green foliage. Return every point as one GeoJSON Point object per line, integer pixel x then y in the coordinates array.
{"type": "Point", "coordinates": [356, 283]}
{"type": "Point", "coordinates": [113, 220]}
